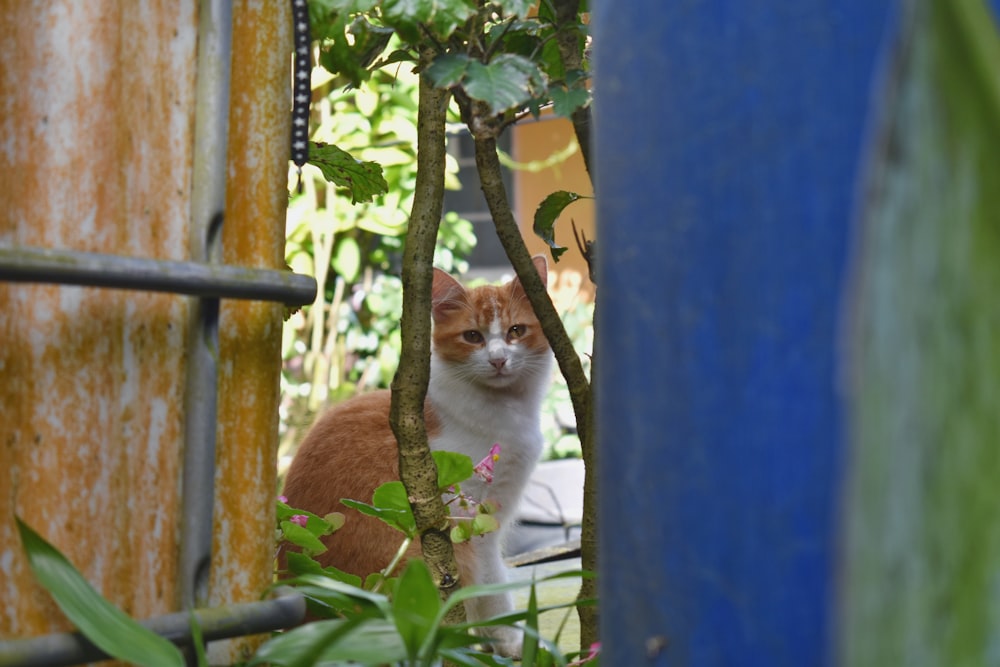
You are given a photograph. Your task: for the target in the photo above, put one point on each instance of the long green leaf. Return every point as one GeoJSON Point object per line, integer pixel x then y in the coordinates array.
{"type": "Point", "coordinates": [107, 626]}
{"type": "Point", "coordinates": [303, 646]}
{"type": "Point", "coordinates": [415, 606]}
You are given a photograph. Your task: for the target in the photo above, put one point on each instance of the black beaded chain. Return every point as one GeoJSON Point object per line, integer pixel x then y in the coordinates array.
{"type": "Point", "coordinates": [302, 94]}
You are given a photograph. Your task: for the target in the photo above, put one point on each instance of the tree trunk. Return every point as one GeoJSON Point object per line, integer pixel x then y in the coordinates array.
{"type": "Point", "coordinates": [409, 386]}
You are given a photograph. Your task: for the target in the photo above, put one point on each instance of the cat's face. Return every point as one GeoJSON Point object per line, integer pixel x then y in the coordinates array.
{"type": "Point", "coordinates": [488, 335]}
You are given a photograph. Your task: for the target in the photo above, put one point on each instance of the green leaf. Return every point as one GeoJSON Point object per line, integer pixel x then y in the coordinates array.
{"type": "Point", "coordinates": [198, 639]}
{"type": "Point", "coordinates": [545, 217]}
{"type": "Point", "coordinates": [302, 537]}
{"type": "Point", "coordinates": [337, 53]}
{"type": "Point", "coordinates": [484, 523]}
{"type": "Point", "coordinates": [504, 83]}
{"type": "Point", "coordinates": [364, 180]}
{"type": "Point", "coordinates": [567, 100]}
{"type": "Point", "coordinates": [415, 606]}
{"type": "Point", "coordinates": [107, 626]}
{"type": "Point", "coordinates": [303, 646]}
{"type": "Point", "coordinates": [299, 564]}
{"type": "Point", "coordinates": [453, 468]}
{"type": "Point", "coordinates": [343, 597]}
{"type": "Point", "coordinates": [461, 532]}
{"type": "Point", "coordinates": [316, 525]}
{"type": "Point", "coordinates": [390, 504]}
{"type": "Point", "coordinates": [448, 70]}
{"type": "Point", "coordinates": [529, 648]}
{"type": "Point", "coordinates": [441, 16]}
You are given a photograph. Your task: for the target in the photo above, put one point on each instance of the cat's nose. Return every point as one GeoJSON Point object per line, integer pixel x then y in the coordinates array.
{"type": "Point", "coordinates": [498, 363]}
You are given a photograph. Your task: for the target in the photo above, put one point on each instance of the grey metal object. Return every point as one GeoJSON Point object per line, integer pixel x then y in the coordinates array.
{"type": "Point", "coordinates": [209, 281]}
{"type": "Point", "coordinates": [208, 199]}
{"type": "Point", "coordinates": [57, 650]}
{"type": "Point", "coordinates": [68, 267]}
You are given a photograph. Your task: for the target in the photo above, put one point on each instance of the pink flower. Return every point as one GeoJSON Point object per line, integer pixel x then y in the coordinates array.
{"type": "Point", "coordinates": [300, 519]}
{"type": "Point", "coordinates": [484, 469]}
{"type": "Point", "coordinates": [595, 650]}
{"type": "Point", "coordinates": [283, 499]}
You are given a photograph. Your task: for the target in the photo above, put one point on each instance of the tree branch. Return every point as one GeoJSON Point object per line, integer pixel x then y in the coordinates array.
{"type": "Point", "coordinates": [484, 127]}
{"type": "Point", "coordinates": [409, 386]}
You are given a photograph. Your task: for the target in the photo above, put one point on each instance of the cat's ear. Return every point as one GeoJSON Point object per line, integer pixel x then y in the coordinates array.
{"type": "Point", "coordinates": [543, 272]}
{"type": "Point", "coordinates": [447, 295]}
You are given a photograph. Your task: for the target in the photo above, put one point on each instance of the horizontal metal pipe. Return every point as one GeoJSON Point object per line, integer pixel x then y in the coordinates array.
{"type": "Point", "coordinates": [91, 269]}
{"type": "Point", "coordinates": [237, 620]}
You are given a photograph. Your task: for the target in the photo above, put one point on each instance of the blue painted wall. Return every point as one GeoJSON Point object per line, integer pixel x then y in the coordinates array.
{"type": "Point", "coordinates": [729, 148]}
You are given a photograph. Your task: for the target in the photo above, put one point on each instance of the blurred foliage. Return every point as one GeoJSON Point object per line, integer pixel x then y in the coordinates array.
{"type": "Point", "coordinates": [346, 226]}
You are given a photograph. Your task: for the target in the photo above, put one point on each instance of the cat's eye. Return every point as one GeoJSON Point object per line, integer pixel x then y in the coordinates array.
{"type": "Point", "coordinates": [516, 331]}
{"type": "Point", "coordinates": [472, 336]}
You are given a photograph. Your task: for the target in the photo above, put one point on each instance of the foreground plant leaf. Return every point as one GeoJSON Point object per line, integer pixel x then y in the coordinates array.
{"type": "Point", "coordinates": [107, 626]}
{"type": "Point", "coordinates": [364, 180]}
{"type": "Point", "coordinates": [415, 606]}
{"type": "Point", "coordinates": [453, 468]}
{"type": "Point", "coordinates": [389, 503]}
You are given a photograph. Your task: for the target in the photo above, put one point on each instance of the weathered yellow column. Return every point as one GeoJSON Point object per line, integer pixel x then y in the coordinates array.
{"type": "Point", "coordinates": [96, 144]}
{"type": "Point", "coordinates": [96, 108]}
{"type": "Point", "coordinates": [253, 235]}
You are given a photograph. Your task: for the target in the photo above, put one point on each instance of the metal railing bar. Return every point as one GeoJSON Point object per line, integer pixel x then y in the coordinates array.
{"type": "Point", "coordinates": [208, 200]}
{"type": "Point", "coordinates": [236, 620]}
{"type": "Point", "coordinates": [91, 269]}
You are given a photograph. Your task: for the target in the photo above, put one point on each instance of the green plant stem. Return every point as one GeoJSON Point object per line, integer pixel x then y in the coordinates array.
{"type": "Point", "coordinates": [391, 567]}
{"type": "Point", "coordinates": [409, 386]}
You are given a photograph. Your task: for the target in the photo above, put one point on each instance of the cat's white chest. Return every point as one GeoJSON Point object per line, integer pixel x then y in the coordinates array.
{"type": "Point", "coordinates": [471, 426]}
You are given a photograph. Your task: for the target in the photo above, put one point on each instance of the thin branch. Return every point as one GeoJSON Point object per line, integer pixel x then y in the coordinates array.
{"type": "Point", "coordinates": [409, 386]}
{"type": "Point", "coordinates": [484, 127]}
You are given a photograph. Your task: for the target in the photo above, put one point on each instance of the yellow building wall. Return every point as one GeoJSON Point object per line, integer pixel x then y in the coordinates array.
{"type": "Point", "coordinates": [536, 146]}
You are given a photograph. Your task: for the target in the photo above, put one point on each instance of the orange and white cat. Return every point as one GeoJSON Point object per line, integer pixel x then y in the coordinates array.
{"type": "Point", "coordinates": [490, 368]}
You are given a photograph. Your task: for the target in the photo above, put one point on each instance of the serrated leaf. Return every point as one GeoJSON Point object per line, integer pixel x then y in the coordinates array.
{"type": "Point", "coordinates": [448, 70]}
{"type": "Point", "coordinates": [364, 180]}
{"type": "Point", "coordinates": [452, 467]}
{"type": "Point", "coordinates": [104, 624]}
{"type": "Point", "coordinates": [504, 83]}
{"type": "Point", "coordinates": [545, 217]}
{"type": "Point", "coordinates": [441, 16]}
{"type": "Point", "coordinates": [566, 101]}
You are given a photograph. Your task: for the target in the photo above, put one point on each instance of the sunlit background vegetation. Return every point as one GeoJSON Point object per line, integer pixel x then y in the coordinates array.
{"type": "Point", "coordinates": [347, 341]}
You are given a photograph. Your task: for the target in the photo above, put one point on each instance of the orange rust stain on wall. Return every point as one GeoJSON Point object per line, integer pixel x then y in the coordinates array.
{"type": "Point", "coordinates": [250, 332]}
{"type": "Point", "coordinates": [96, 112]}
